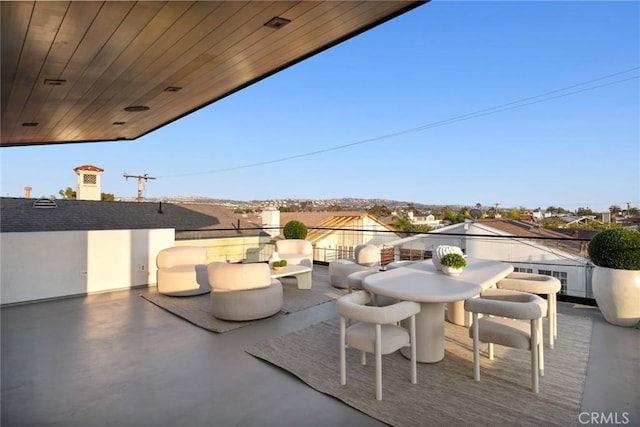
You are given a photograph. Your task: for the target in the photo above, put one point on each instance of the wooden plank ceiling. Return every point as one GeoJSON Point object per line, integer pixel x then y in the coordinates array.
{"type": "Point", "coordinates": [69, 69]}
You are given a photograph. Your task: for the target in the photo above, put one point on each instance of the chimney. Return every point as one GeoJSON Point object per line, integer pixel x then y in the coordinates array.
{"type": "Point", "coordinates": [271, 220]}
{"type": "Point", "coordinates": [27, 192]}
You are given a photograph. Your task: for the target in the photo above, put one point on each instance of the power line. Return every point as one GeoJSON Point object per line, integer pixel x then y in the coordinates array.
{"type": "Point", "coordinates": [480, 113]}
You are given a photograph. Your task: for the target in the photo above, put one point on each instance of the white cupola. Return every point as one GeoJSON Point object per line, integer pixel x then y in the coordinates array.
{"type": "Point", "coordinates": [88, 182]}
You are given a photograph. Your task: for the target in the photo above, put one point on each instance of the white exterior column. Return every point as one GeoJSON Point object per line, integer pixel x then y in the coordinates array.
{"type": "Point", "coordinates": [271, 220]}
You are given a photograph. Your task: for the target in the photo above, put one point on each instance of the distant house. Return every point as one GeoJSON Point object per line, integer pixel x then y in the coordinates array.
{"type": "Point", "coordinates": [630, 221]}
{"type": "Point", "coordinates": [429, 220]}
{"type": "Point", "coordinates": [571, 220]}
{"type": "Point", "coordinates": [85, 246]}
{"type": "Point", "coordinates": [336, 234]}
{"type": "Point", "coordinates": [527, 247]}
{"type": "Point", "coordinates": [526, 216]}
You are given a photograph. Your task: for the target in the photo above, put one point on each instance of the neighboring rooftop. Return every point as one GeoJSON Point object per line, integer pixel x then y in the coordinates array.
{"type": "Point", "coordinates": [20, 215]}
{"type": "Point", "coordinates": [313, 219]}
{"type": "Point", "coordinates": [531, 230]}
{"type": "Point", "coordinates": [344, 221]}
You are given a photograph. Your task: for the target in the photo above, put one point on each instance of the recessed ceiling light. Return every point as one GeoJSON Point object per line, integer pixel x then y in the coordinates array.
{"type": "Point", "coordinates": [54, 82]}
{"type": "Point", "coordinates": [30, 124]}
{"type": "Point", "coordinates": [172, 89]}
{"type": "Point", "coordinates": [118, 123]}
{"type": "Point", "coordinates": [276, 22]}
{"type": "Point", "coordinates": [136, 108]}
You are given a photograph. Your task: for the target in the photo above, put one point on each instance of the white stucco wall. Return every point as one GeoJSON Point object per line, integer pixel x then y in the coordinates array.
{"type": "Point", "coordinates": [55, 264]}
{"type": "Point", "coordinates": [271, 220]}
{"type": "Point", "coordinates": [233, 249]}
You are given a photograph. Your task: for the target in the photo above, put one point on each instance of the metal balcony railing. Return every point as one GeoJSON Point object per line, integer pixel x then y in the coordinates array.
{"type": "Point", "coordinates": [563, 258]}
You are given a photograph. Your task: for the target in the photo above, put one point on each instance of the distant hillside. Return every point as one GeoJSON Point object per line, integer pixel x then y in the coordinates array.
{"type": "Point", "coordinates": [346, 203]}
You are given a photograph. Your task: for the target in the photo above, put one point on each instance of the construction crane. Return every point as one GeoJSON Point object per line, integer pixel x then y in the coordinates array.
{"type": "Point", "coordinates": [142, 179]}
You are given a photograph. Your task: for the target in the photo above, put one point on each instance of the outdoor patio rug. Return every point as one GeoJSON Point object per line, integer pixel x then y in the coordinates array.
{"type": "Point", "coordinates": [299, 299]}
{"type": "Point", "coordinates": [446, 393]}
{"type": "Point", "coordinates": [197, 309]}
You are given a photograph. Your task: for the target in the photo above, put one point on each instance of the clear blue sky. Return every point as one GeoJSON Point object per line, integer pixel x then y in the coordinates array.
{"type": "Point", "coordinates": [400, 81]}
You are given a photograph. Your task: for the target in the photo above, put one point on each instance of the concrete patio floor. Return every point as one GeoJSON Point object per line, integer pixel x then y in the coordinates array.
{"type": "Point", "coordinates": [116, 359]}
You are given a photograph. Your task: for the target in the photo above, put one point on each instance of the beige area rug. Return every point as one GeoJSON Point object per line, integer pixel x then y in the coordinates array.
{"type": "Point", "coordinates": [197, 309]}
{"type": "Point", "coordinates": [446, 393]}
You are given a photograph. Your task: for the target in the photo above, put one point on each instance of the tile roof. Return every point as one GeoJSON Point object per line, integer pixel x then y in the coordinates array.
{"type": "Point", "coordinates": [520, 228]}
{"type": "Point", "coordinates": [88, 168]}
{"type": "Point", "coordinates": [313, 219]}
{"type": "Point", "coordinates": [328, 220]}
{"type": "Point", "coordinates": [523, 229]}
{"type": "Point", "coordinates": [326, 227]}
{"type": "Point", "coordinates": [19, 215]}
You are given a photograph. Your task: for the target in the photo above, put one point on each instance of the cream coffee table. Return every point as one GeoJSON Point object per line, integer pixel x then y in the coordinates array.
{"type": "Point", "coordinates": [300, 272]}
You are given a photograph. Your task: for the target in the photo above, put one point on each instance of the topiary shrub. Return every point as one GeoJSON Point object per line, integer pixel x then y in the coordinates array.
{"type": "Point", "coordinates": [617, 248]}
{"type": "Point", "coordinates": [295, 230]}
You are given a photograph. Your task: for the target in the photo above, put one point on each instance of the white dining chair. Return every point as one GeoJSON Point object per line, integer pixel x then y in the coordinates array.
{"type": "Point", "coordinates": [376, 331]}
{"type": "Point", "coordinates": [502, 324]}
{"type": "Point", "coordinates": [539, 284]}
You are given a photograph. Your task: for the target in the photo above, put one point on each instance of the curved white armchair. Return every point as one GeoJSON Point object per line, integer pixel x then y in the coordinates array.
{"type": "Point", "coordinates": [242, 292]}
{"type": "Point", "coordinates": [367, 257]}
{"type": "Point", "coordinates": [376, 332]}
{"type": "Point", "coordinates": [182, 271]}
{"type": "Point", "coordinates": [505, 329]}
{"type": "Point", "coordinates": [295, 251]}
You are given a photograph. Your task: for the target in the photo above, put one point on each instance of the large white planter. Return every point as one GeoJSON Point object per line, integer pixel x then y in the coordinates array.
{"type": "Point", "coordinates": [617, 293]}
{"type": "Point", "coordinates": [442, 250]}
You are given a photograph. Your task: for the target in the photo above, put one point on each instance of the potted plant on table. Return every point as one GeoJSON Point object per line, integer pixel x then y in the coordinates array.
{"type": "Point", "coordinates": [453, 264]}
{"type": "Point", "coordinates": [441, 251]}
{"type": "Point", "coordinates": [279, 265]}
{"type": "Point", "coordinates": [616, 278]}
